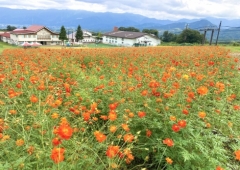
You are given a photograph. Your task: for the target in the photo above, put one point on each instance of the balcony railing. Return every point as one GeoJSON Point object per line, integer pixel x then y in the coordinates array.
{"type": "Point", "coordinates": [44, 37]}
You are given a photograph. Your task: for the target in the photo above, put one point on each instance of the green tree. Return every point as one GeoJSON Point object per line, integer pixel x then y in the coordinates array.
{"type": "Point", "coordinates": [168, 37]}
{"type": "Point", "coordinates": [189, 36]}
{"type": "Point", "coordinates": [79, 34]}
{"type": "Point", "coordinates": [133, 29]}
{"type": "Point", "coordinates": [151, 31]}
{"type": "Point", "coordinates": [11, 28]}
{"type": "Point", "coordinates": [63, 34]}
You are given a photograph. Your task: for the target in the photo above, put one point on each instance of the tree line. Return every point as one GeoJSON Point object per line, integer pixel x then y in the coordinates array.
{"type": "Point", "coordinates": [187, 35]}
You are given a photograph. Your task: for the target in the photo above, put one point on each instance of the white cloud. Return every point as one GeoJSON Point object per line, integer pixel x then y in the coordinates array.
{"type": "Point", "coordinates": [164, 9]}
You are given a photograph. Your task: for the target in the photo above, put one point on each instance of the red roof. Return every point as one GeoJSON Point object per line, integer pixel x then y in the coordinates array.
{"type": "Point", "coordinates": [6, 34]}
{"type": "Point", "coordinates": [35, 28]}
{"type": "Point", "coordinates": [31, 30]}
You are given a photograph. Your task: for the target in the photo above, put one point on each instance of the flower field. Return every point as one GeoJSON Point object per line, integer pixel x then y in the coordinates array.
{"type": "Point", "coordinates": [173, 108]}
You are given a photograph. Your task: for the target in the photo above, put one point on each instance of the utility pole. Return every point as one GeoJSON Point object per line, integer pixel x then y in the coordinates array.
{"type": "Point", "coordinates": [210, 43]}
{"type": "Point", "coordinates": [204, 37]}
{"type": "Point", "coordinates": [218, 31]}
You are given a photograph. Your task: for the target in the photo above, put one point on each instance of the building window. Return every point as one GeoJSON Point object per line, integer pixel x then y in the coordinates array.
{"type": "Point", "coordinates": [25, 36]}
{"type": "Point", "coordinates": [29, 36]}
{"type": "Point", "coordinates": [122, 39]}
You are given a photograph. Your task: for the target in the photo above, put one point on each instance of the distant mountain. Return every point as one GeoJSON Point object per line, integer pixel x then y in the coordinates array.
{"type": "Point", "coordinates": [104, 22]}
{"type": "Point", "coordinates": [71, 18]}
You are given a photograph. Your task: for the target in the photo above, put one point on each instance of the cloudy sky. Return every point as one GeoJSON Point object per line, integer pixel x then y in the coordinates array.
{"type": "Point", "coordinates": [160, 9]}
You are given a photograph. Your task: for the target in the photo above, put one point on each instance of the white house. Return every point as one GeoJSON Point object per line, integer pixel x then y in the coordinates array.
{"type": "Point", "coordinates": [5, 37]}
{"type": "Point", "coordinates": [34, 33]}
{"type": "Point", "coordinates": [87, 37]}
{"type": "Point", "coordinates": [127, 38]}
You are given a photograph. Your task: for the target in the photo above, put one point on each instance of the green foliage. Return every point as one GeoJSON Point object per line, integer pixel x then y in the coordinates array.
{"type": "Point", "coordinates": [133, 29]}
{"type": "Point", "coordinates": [151, 31]}
{"type": "Point", "coordinates": [168, 37]}
{"type": "Point", "coordinates": [79, 34]}
{"type": "Point", "coordinates": [63, 34]}
{"type": "Point", "coordinates": [11, 28]}
{"type": "Point", "coordinates": [189, 36]}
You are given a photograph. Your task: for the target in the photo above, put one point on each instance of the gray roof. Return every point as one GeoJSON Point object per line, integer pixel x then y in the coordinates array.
{"type": "Point", "coordinates": [125, 34]}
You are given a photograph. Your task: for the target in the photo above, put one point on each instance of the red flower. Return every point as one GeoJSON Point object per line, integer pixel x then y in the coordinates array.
{"type": "Point", "coordinates": [169, 142]}
{"type": "Point", "coordinates": [113, 106]}
{"type": "Point", "coordinates": [141, 114]}
{"type": "Point", "coordinates": [65, 131]}
{"type": "Point", "coordinates": [185, 111]}
{"type": "Point", "coordinates": [175, 127]}
{"type": "Point", "coordinates": [148, 133]}
{"type": "Point", "coordinates": [56, 141]}
{"type": "Point", "coordinates": [57, 155]}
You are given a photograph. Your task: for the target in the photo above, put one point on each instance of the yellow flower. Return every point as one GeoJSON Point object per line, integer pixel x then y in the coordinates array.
{"type": "Point", "coordinates": [185, 76]}
{"type": "Point", "coordinates": [5, 137]}
{"type": "Point", "coordinates": [55, 115]}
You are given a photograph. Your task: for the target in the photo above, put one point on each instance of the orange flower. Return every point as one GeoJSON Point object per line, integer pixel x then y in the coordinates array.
{"type": "Point", "coordinates": [202, 115]}
{"type": "Point", "coordinates": [202, 90]}
{"type": "Point", "coordinates": [172, 118]}
{"type": "Point", "coordinates": [55, 115]}
{"type": "Point", "coordinates": [12, 112]}
{"type": "Point", "coordinates": [86, 116]}
{"type": "Point", "coordinates": [237, 155]}
{"type": "Point", "coordinates": [182, 123]}
{"type": "Point", "coordinates": [104, 117]}
{"type": "Point", "coordinates": [112, 115]}
{"type": "Point", "coordinates": [169, 160]}
{"type": "Point", "coordinates": [220, 86]}
{"type": "Point", "coordinates": [131, 114]}
{"type": "Point", "coordinates": [65, 131]}
{"type": "Point", "coordinates": [113, 128]}
{"type": "Point", "coordinates": [128, 138]}
{"type": "Point", "coordinates": [100, 137]}
{"type": "Point", "coordinates": [33, 99]}
{"type": "Point", "coordinates": [125, 127]}
{"type": "Point", "coordinates": [30, 150]}
{"type": "Point", "coordinates": [112, 151]}
{"type": "Point", "coordinates": [141, 114]}
{"type": "Point", "coordinates": [144, 92]}
{"type": "Point", "coordinates": [20, 142]}
{"type": "Point", "coordinates": [169, 142]}
{"type": "Point", "coordinates": [219, 168]}
{"type": "Point", "coordinates": [57, 155]}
